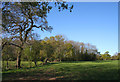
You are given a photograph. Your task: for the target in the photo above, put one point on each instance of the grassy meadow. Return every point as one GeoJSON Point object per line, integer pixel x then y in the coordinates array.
{"type": "Point", "coordinates": [75, 70]}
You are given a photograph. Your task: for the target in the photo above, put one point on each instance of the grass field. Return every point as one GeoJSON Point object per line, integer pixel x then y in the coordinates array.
{"type": "Point", "coordinates": [76, 70]}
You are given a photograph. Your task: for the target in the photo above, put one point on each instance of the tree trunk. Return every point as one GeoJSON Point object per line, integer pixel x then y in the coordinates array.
{"type": "Point", "coordinates": [30, 64]}
{"type": "Point", "coordinates": [60, 59]}
{"type": "Point", "coordinates": [7, 65]}
{"type": "Point", "coordinates": [35, 63]}
{"type": "Point", "coordinates": [46, 60]}
{"type": "Point", "coordinates": [3, 64]}
{"type": "Point", "coordinates": [19, 59]}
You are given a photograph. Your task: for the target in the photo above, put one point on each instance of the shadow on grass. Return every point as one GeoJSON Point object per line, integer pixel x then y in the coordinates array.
{"type": "Point", "coordinates": [66, 72]}
{"type": "Point", "coordinates": [97, 61]}
{"type": "Point", "coordinates": [93, 75]}
{"type": "Point", "coordinates": [51, 63]}
{"type": "Point", "coordinates": [89, 73]}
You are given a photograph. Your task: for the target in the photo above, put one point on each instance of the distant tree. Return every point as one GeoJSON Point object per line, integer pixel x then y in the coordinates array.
{"type": "Point", "coordinates": [118, 56]}
{"type": "Point", "coordinates": [9, 53]}
{"type": "Point", "coordinates": [68, 51]}
{"type": "Point", "coordinates": [60, 47]}
{"type": "Point", "coordinates": [106, 55]}
{"type": "Point", "coordinates": [93, 56]}
{"type": "Point", "coordinates": [98, 57]}
{"type": "Point", "coordinates": [35, 51]}
{"type": "Point", "coordinates": [28, 54]}
{"type": "Point", "coordinates": [19, 19]}
{"type": "Point", "coordinates": [115, 56]}
{"type": "Point", "coordinates": [46, 51]}
{"type": "Point", "coordinates": [76, 50]}
{"type": "Point", "coordinates": [82, 51]}
{"type": "Point", "coordinates": [82, 48]}
{"type": "Point", "coordinates": [32, 51]}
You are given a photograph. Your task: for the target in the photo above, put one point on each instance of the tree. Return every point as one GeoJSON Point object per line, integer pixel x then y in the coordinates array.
{"type": "Point", "coordinates": [19, 19]}
{"type": "Point", "coordinates": [46, 51]}
{"type": "Point", "coordinates": [60, 47]}
{"type": "Point", "coordinates": [56, 45]}
{"type": "Point", "coordinates": [32, 51]}
{"type": "Point", "coordinates": [76, 50]}
{"type": "Point", "coordinates": [98, 56]}
{"type": "Point", "coordinates": [35, 50]}
{"type": "Point", "coordinates": [115, 56]}
{"type": "Point", "coordinates": [68, 51]}
{"type": "Point", "coordinates": [82, 51]}
{"type": "Point", "coordinates": [28, 54]}
{"type": "Point", "coordinates": [106, 55]}
{"type": "Point", "coordinates": [8, 53]}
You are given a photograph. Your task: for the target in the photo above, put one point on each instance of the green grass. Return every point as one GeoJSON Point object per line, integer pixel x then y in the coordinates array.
{"type": "Point", "coordinates": [76, 70]}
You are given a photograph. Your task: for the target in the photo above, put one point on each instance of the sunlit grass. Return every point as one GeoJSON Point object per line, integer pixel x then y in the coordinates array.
{"type": "Point", "coordinates": [76, 70]}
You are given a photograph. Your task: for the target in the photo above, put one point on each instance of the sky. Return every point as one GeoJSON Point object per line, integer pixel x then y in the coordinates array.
{"type": "Point", "coordinates": [89, 22]}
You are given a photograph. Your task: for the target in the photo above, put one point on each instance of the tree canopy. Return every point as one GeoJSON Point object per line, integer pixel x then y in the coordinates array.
{"type": "Point", "coordinates": [19, 19]}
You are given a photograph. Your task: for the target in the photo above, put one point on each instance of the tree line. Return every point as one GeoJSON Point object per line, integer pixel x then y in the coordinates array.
{"type": "Point", "coordinates": [54, 48]}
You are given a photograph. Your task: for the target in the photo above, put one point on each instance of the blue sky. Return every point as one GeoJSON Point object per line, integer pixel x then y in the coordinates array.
{"type": "Point", "coordinates": [89, 22]}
